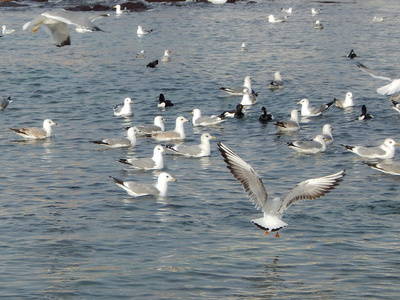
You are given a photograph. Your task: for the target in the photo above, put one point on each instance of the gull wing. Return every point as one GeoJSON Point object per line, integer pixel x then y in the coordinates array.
{"type": "Point", "coordinates": [376, 74]}
{"type": "Point", "coordinates": [245, 174]}
{"type": "Point", "coordinates": [311, 189]}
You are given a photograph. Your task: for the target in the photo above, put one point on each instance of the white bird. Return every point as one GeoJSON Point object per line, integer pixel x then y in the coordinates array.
{"type": "Point", "coordinates": [137, 189]}
{"type": "Point", "coordinates": [178, 134]}
{"type": "Point", "coordinates": [156, 162]}
{"type": "Point", "coordinates": [202, 150]}
{"type": "Point", "coordinates": [57, 22]}
{"type": "Point", "coordinates": [7, 31]}
{"type": "Point", "coordinates": [238, 90]}
{"type": "Point", "coordinates": [273, 19]}
{"type": "Point", "coordinates": [166, 57]}
{"type": "Point", "coordinates": [36, 133]}
{"type": "Point", "coordinates": [198, 120]}
{"type": "Point", "coordinates": [316, 145]}
{"type": "Point", "coordinates": [217, 1]}
{"type": "Point", "coordinates": [315, 11]}
{"type": "Point", "coordinates": [273, 209]}
{"type": "Point", "coordinates": [277, 83]}
{"type": "Point", "coordinates": [389, 168]}
{"type": "Point", "coordinates": [129, 141]}
{"type": "Point", "coordinates": [364, 115]}
{"type": "Point", "coordinates": [243, 47]}
{"type": "Point", "coordinates": [389, 89]}
{"type": "Point", "coordinates": [248, 98]}
{"type": "Point", "coordinates": [118, 10]}
{"type": "Point", "coordinates": [157, 127]}
{"type": "Point", "coordinates": [384, 151]}
{"type": "Point", "coordinates": [318, 25]}
{"type": "Point", "coordinates": [309, 111]}
{"type": "Point", "coordinates": [141, 54]}
{"type": "Point", "coordinates": [346, 102]}
{"type": "Point", "coordinates": [287, 11]}
{"type": "Point", "coordinates": [123, 110]}
{"type": "Point", "coordinates": [327, 133]}
{"type": "Point", "coordinates": [290, 125]}
{"type": "Point", "coordinates": [140, 31]}
{"type": "Point", "coordinates": [5, 103]}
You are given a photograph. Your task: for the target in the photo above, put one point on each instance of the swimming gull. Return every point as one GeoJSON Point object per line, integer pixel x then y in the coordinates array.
{"type": "Point", "coordinates": [156, 162]}
{"type": "Point", "coordinates": [346, 102]}
{"type": "Point", "coordinates": [118, 10]}
{"type": "Point", "coordinates": [287, 11]}
{"type": "Point", "coordinates": [128, 141]}
{"type": "Point", "coordinates": [277, 83]}
{"type": "Point", "coordinates": [389, 168]}
{"type": "Point", "coordinates": [290, 125]}
{"type": "Point", "coordinates": [315, 11]}
{"type": "Point", "coordinates": [137, 189]}
{"type": "Point", "coordinates": [141, 54]}
{"type": "Point", "coordinates": [124, 110]}
{"type": "Point", "coordinates": [243, 48]}
{"type": "Point", "coordinates": [364, 115]}
{"type": "Point", "coordinates": [235, 113]}
{"type": "Point", "coordinates": [141, 32]}
{"type": "Point", "coordinates": [164, 103]}
{"type": "Point", "coordinates": [389, 89]}
{"type": "Point", "coordinates": [157, 127]}
{"type": "Point", "coordinates": [316, 145]}
{"type": "Point", "coordinates": [5, 103]}
{"type": "Point", "coordinates": [177, 134]}
{"type": "Point", "coordinates": [327, 133]}
{"type": "Point", "coordinates": [166, 57]}
{"type": "Point", "coordinates": [248, 98]}
{"type": "Point", "coordinates": [318, 25]}
{"type": "Point", "coordinates": [57, 22]}
{"type": "Point", "coordinates": [202, 150]}
{"type": "Point", "coordinates": [309, 111]}
{"type": "Point", "coordinates": [238, 90]}
{"type": "Point", "coordinates": [7, 31]}
{"type": "Point", "coordinates": [273, 19]}
{"type": "Point", "coordinates": [36, 133]}
{"type": "Point", "coordinates": [265, 116]}
{"type": "Point", "coordinates": [384, 151]}
{"type": "Point", "coordinates": [273, 209]}
{"type": "Point", "coordinates": [198, 120]}
{"type": "Point", "coordinates": [217, 1]}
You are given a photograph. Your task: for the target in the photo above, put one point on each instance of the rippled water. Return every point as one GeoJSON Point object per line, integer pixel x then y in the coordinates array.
{"type": "Point", "coordinates": [69, 232]}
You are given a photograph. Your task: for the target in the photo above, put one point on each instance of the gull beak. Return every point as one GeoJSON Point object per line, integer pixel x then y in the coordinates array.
{"type": "Point", "coordinates": [173, 179]}
{"type": "Point", "coordinates": [213, 137]}
{"type": "Point", "coordinates": [397, 144]}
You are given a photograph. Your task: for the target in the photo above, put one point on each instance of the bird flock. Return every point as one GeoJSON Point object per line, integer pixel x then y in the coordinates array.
{"type": "Point", "coordinates": [57, 22]}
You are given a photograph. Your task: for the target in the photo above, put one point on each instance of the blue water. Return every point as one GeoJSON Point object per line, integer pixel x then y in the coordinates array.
{"type": "Point", "coordinates": [67, 231]}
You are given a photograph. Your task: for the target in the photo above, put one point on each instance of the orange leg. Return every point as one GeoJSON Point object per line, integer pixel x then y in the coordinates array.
{"type": "Point", "coordinates": [267, 232]}
{"type": "Point", "coordinates": [398, 97]}
{"type": "Point", "coordinates": [277, 234]}
{"type": "Point", "coordinates": [391, 98]}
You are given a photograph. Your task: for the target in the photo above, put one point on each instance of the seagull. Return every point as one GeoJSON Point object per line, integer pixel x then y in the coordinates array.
{"type": "Point", "coordinates": [36, 133]}
{"type": "Point", "coordinates": [273, 19]}
{"type": "Point", "coordinates": [307, 111]}
{"type": "Point", "coordinates": [157, 127]}
{"type": "Point", "coordinates": [392, 168]}
{"type": "Point", "coordinates": [316, 145]}
{"type": "Point", "coordinates": [124, 110]}
{"type": "Point", "coordinates": [287, 11]}
{"type": "Point", "coordinates": [236, 113]}
{"type": "Point", "coordinates": [201, 150]}
{"type": "Point", "coordinates": [166, 57]}
{"type": "Point", "coordinates": [141, 32]}
{"type": "Point", "coordinates": [164, 103]}
{"type": "Point", "coordinates": [327, 133]}
{"type": "Point", "coordinates": [152, 64]}
{"type": "Point", "coordinates": [238, 90]}
{"type": "Point", "coordinates": [129, 141]}
{"type": "Point", "coordinates": [57, 20]}
{"type": "Point", "coordinates": [277, 83]}
{"type": "Point", "coordinates": [364, 115]}
{"type": "Point", "coordinates": [396, 106]}
{"type": "Point", "coordinates": [315, 12]}
{"type": "Point", "coordinates": [352, 54]}
{"type": "Point", "coordinates": [318, 25]}
{"type": "Point", "coordinates": [389, 89]}
{"type": "Point", "coordinates": [265, 117]}
{"type": "Point", "coordinates": [217, 1]}
{"type": "Point", "coordinates": [346, 102]}
{"type": "Point", "coordinates": [141, 54]}
{"type": "Point", "coordinates": [156, 162]}
{"type": "Point", "coordinates": [273, 209]}
{"type": "Point", "coordinates": [243, 47]}
{"type": "Point", "coordinates": [177, 134]}
{"type": "Point", "coordinates": [292, 124]}
{"type": "Point", "coordinates": [136, 189]}
{"type": "Point", "coordinates": [198, 120]}
{"type": "Point", "coordinates": [118, 10]}
{"type": "Point", "coordinates": [5, 103]}
{"type": "Point", "coordinates": [7, 31]}
{"type": "Point", "coordinates": [384, 151]}
{"type": "Point", "coordinates": [248, 99]}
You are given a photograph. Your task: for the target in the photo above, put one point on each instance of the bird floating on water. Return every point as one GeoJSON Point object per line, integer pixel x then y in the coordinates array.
{"type": "Point", "coordinates": [273, 19]}
{"type": "Point", "coordinates": [364, 115]}
{"type": "Point", "coordinates": [128, 141]}
{"type": "Point", "coordinates": [7, 31]}
{"type": "Point", "coordinates": [125, 109]}
{"type": "Point", "coordinates": [277, 83]}
{"type": "Point", "coordinates": [384, 151]}
{"type": "Point", "coordinates": [36, 133]}
{"type": "Point", "coordinates": [352, 54]}
{"type": "Point", "coordinates": [291, 125]}
{"type": "Point", "coordinates": [152, 64]}
{"type": "Point", "coordinates": [164, 103]}
{"type": "Point", "coordinates": [318, 25]}
{"type": "Point", "coordinates": [310, 111]}
{"type": "Point", "coordinates": [141, 32]}
{"type": "Point", "coordinates": [265, 116]}
{"type": "Point", "coordinates": [346, 102]}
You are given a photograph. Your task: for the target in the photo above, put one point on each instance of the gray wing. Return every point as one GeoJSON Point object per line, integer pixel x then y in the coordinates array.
{"type": "Point", "coordinates": [192, 150]}
{"type": "Point", "coordinates": [245, 174]}
{"type": "Point", "coordinates": [369, 151]}
{"type": "Point", "coordinates": [148, 129]}
{"type": "Point", "coordinates": [118, 142]}
{"type": "Point", "coordinates": [377, 74]}
{"type": "Point", "coordinates": [141, 163]}
{"type": "Point", "coordinates": [77, 19]}
{"type": "Point", "coordinates": [307, 145]}
{"type": "Point", "coordinates": [311, 189]}
{"type": "Point", "coordinates": [393, 169]}
{"type": "Point", "coordinates": [141, 189]}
